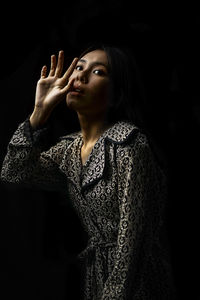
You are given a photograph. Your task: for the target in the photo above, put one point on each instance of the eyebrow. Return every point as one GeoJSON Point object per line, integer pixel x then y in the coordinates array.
{"type": "Point", "coordinates": [96, 63]}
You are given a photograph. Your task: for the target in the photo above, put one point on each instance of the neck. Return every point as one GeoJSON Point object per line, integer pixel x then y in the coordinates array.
{"type": "Point", "coordinates": [91, 128]}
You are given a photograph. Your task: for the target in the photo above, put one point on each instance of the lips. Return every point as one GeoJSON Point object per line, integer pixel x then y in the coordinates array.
{"type": "Point", "coordinates": [76, 89]}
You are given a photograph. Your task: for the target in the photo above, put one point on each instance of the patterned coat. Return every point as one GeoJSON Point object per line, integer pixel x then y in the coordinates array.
{"type": "Point", "coordinates": [118, 194]}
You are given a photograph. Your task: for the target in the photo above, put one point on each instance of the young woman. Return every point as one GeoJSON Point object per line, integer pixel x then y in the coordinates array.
{"type": "Point", "coordinates": [108, 169]}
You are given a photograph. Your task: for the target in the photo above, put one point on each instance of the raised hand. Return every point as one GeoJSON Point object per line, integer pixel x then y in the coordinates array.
{"type": "Point", "coordinates": [51, 89]}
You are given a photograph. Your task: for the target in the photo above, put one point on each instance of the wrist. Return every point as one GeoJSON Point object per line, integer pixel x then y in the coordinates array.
{"type": "Point", "coordinates": [38, 118]}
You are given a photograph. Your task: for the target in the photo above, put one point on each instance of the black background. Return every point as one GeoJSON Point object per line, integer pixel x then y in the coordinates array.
{"type": "Point", "coordinates": [40, 234]}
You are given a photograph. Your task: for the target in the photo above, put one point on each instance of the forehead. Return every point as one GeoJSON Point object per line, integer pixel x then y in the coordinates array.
{"type": "Point", "coordinates": [96, 56]}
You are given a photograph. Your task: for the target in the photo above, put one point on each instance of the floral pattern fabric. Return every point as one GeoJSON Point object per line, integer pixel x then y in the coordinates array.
{"type": "Point", "coordinates": [119, 195]}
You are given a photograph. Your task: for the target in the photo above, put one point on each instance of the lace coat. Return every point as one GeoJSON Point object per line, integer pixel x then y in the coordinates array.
{"type": "Point", "coordinates": [118, 194]}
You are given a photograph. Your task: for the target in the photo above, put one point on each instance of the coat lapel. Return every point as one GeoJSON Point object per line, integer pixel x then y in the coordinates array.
{"type": "Point", "coordinates": [93, 170]}
{"type": "Point", "coordinates": [121, 132]}
{"type": "Point", "coordinates": [71, 164]}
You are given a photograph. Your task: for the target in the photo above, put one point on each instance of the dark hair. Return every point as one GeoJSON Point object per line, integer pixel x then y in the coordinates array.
{"type": "Point", "coordinates": [127, 101]}
{"type": "Point", "coordinates": [128, 98]}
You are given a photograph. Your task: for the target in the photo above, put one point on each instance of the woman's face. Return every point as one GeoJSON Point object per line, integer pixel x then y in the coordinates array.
{"type": "Point", "coordinates": [90, 84]}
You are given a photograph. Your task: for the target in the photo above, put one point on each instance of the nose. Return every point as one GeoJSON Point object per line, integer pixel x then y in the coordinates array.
{"type": "Point", "coordinates": [82, 76]}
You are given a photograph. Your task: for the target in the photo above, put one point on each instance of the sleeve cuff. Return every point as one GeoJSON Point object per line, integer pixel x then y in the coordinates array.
{"type": "Point", "coordinates": [34, 135]}
{"type": "Point", "coordinates": [26, 136]}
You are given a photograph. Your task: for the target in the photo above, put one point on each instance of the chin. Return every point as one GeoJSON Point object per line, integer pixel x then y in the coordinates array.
{"type": "Point", "coordinates": [71, 103]}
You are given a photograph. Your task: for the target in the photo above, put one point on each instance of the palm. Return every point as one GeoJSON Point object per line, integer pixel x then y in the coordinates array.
{"type": "Point", "coordinates": [51, 89]}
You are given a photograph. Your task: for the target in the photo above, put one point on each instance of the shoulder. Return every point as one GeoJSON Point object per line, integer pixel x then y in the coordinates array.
{"type": "Point", "coordinates": [127, 136]}
{"type": "Point", "coordinates": [131, 143]}
{"type": "Point", "coordinates": [67, 140]}
{"type": "Point", "coordinates": [135, 149]}
{"type": "Point", "coordinates": [121, 132]}
{"type": "Point", "coordinates": [70, 137]}
{"type": "Point", "coordinates": [63, 143]}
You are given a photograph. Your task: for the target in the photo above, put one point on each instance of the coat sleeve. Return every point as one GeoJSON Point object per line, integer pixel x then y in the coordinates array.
{"type": "Point", "coordinates": [137, 190]}
{"type": "Point", "coordinates": [25, 163]}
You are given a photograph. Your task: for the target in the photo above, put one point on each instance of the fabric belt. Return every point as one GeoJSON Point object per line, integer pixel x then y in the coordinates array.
{"type": "Point", "coordinates": [93, 245]}
{"type": "Point", "coordinates": [93, 260]}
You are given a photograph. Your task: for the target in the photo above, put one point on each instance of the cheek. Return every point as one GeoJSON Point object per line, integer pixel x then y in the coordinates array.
{"type": "Point", "coordinates": [101, 89]}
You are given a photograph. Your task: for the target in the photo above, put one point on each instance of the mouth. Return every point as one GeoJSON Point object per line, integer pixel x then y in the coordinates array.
{"type": "Point", "coordinates": [74, 93]}
{"type": "Point", "coordinates": [76, 90]}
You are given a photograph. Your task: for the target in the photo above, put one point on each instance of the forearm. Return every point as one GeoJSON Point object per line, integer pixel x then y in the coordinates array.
{"type": "Point", "coordinates": [39, 117]}
{"type": "Point", "coordinates": [24, 159]}
{"type": "Point", "coordinates": [25, 163]}
{"type": "Point", "coordinates": [21, 156]}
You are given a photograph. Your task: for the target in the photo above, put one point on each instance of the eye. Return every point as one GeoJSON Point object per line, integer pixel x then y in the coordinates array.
{"type": "Point", "coordinates": [79, 68]}
{"type": "Point", "coordinates": [98, 72]}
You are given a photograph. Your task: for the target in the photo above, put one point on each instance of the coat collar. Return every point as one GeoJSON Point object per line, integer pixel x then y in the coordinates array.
{"type": "Point", "coordinates": [93, 170]}
{"type": "Point", "coordinates": [120, 132]}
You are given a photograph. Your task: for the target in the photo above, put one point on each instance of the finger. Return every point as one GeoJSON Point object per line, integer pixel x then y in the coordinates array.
{"type": "Point", "coordinates": [70, 69]}
{"type": "Point", "coordinates": [43, 72]}
{"type": "Point", "coordinates": [53, 65]}
{"type": "Point", "coordinates": [59, 67]}
{"type": "Point", "coordinates": [68, 86]}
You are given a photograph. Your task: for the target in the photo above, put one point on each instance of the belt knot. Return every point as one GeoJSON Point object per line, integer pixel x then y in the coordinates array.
{"type": "Point", "coordinates": [93, 244]}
